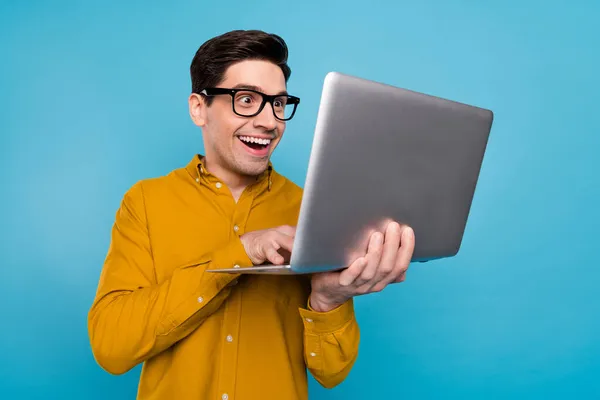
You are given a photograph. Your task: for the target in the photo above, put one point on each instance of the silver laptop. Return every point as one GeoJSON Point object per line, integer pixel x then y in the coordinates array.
{"type": "Point", "coordinates": [383, 153]}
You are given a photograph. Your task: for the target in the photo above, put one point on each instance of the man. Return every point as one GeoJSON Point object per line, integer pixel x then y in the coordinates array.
{"type": "Point", "coordinates": [203, 335]}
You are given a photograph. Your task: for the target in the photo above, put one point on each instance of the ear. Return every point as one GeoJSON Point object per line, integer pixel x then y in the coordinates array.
{"type": "Point", "coordinates": [197, 108]}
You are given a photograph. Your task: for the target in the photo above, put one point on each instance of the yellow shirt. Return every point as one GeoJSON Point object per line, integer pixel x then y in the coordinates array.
{"type": "Point", "coordinates": [204, 335]}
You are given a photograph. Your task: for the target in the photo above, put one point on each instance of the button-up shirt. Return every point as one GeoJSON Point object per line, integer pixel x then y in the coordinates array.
{"type": "Point", "coordinates": [206, 335]}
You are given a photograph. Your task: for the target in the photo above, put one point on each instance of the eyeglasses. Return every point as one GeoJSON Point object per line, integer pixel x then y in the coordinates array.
{"type": "Point", "coordinates": [249, 103]}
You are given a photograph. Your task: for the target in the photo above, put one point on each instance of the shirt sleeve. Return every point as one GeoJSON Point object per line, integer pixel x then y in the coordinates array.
{"type": "Point", "coordinates": [133, 317]}
{"type": "Point", "coordinates": [331, 341]}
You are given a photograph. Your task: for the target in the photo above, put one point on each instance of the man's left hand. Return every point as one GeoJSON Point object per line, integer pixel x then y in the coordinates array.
{"type": "Point", "coordinates": [387, 260]}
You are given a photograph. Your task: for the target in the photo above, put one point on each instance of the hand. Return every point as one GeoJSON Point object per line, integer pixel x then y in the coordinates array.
{"type": "Point", "coordinates": [266, 245]}
{"type": "Point", "coordinates": [387, 260]}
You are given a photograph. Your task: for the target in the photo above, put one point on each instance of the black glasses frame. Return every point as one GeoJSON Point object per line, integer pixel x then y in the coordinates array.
{"type": "Point", "coordinates": [265, 99]}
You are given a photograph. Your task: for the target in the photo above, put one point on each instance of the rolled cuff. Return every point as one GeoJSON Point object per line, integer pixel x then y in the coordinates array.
{"type": "Point", "coordinates": [327, 322]}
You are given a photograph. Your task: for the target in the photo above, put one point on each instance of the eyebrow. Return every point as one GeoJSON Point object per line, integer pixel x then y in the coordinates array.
{"type": "Point", "coordinates": [258, 89]}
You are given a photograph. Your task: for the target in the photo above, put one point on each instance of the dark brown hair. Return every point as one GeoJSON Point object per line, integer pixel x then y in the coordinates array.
{"type": "Point", "coordinates": [214, 56]}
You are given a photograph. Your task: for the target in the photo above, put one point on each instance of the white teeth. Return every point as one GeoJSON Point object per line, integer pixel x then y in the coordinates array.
{"type": "Point", "coordinates": [251, 139]}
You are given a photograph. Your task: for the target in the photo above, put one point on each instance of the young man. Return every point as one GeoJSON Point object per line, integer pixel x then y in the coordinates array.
{"type": "Point", "coordinates": [204, 335]}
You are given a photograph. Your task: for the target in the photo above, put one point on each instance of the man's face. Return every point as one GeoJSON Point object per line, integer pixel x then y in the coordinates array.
{"type": "Point", "coordinates": [232, 141]}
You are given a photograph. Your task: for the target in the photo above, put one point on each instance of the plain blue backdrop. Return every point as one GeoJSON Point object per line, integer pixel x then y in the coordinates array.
{"type": "Point", "coordinates": [93, 97]}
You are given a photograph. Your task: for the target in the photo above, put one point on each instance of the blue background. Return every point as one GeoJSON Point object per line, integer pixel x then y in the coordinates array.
{"type": "Point", "coordinates": [93, 97]}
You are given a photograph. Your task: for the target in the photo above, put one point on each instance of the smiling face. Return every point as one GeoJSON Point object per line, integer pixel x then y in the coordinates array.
{"type": "Point", "coordinates": [237, 147]}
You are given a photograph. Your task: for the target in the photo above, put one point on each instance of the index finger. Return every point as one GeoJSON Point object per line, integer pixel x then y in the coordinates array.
{"type": "Point", "coordinates": [279, 248]}
{"type": "Point", "coordinates": [349, 275]}
{"type": "Point", "coordinates": [283, 241]}
{"type": "Point", "coordinates": [286, 229]}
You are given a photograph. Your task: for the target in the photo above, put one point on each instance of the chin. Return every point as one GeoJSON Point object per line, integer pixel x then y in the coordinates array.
{"type": "Point", "coordinates": [253, 168]}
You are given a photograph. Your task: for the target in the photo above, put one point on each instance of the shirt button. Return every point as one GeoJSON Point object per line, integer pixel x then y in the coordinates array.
{"type": "Point", "coordinates": [218, 185]}
{"type": "Point", "coordinates": [229, 338]}
{"type": "Point", "coordinates": [200, 299]}
{"type": "Point", "coordinates": [224, 396]}
{"type": "Point", "coordinates": [197, 179]}
{"type": "Point", "coordinates": [236, 228]}
{"type": "Point", "coordinates": [313, 354]}
{"type": "Point", "coordinates": [236, 266]}
{"type": "Point", "coordinates": [309, 320]}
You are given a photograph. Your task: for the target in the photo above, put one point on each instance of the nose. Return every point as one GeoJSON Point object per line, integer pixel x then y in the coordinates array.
{"type": "Point", "coordinates": [266, 118]}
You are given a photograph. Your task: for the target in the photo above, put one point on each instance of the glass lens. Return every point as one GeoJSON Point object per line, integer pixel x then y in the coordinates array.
{"type": "Point", "coordinates": [281, 107]}
{"type": "Point", "coordinates": [248, 104]}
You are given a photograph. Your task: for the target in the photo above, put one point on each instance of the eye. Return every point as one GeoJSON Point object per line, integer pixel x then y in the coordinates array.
{"type": "Point", "coordinates": [280, 102]}
{"type": "Point", "coordinates": [246, 100]}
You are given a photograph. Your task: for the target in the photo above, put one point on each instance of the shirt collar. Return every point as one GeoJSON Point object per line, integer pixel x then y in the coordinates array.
{"type": "Point", "coordinates": [198, 171]}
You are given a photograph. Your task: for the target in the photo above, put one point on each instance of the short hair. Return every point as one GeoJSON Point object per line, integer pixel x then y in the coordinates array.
{"type": "Point", "coordinates": [216, 55]}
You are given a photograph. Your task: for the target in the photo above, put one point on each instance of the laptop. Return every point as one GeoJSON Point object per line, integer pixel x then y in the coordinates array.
{"type": "Point", "coordinates": [383, 153]}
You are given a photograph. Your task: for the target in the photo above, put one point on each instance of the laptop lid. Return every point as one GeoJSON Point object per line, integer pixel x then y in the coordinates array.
{"type": "Point", "coordinates": [384, 153]}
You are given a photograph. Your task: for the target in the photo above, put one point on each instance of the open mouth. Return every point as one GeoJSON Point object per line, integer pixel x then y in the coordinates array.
{"type": "Point", "coordinates": [254, 143]}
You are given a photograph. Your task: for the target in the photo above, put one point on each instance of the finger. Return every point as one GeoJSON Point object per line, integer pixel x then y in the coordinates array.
{"type": "Point", "coordinates": [349, 275]}
{"type": "Point", "coordinates": [396, 278]}
{"type": "Point", "coordinates": [390, 252]}
{"type": "Point", "coordinates": [286, 229]}
{"type": "Point", "coordinates": [283, 241]}
{"type": "Point", "coordinates": [273, 256]}
{"type": "Point", "coordinates": [279, 243]}
{"type": "Point", "coordinates": [373, 257]}
{"type": "Point", "coordinates": [407, 247]}
{"type": "Point", "coordinates": [402, 277]}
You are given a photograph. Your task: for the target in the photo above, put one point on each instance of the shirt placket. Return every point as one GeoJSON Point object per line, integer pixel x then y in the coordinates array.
{"type": "Point", "coordinates": [232, 316]}
{"type": "Point", "coordinates": [230, 336]}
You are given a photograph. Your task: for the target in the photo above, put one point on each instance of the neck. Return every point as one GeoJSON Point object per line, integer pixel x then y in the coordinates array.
{"type": "Point", "coordinates": [234, 181]}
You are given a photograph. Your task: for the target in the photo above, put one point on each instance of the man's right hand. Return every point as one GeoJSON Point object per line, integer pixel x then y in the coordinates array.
{"type": "Point", "coordinates": [264, 245]}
